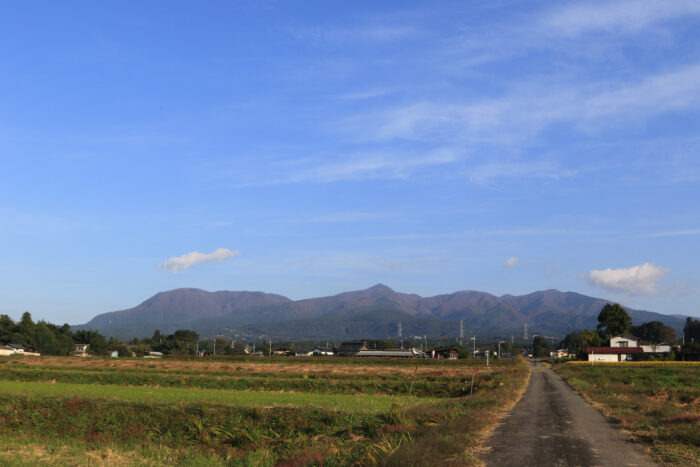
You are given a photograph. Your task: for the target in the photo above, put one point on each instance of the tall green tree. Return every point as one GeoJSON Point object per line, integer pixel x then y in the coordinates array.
{"type": "Point", "coordinates": [7, 329]}
{"type": "Point", "coordinates": [691, 330]}
{"type": "Point", "coordinates": [540, 347]}
{"type": "Point", "coordinates": [654, 332]}
{"type": "Point", "coordinates": [577, 342]}
{"type": "Point", "coordinates": [45, 339]}
{"type": "Point", "coordinates": [613, 320]}
{"type": "Point", "coordinates": [27, 328]}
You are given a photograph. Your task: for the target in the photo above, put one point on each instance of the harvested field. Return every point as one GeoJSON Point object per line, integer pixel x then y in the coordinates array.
{"type": "Point", "coordinates": [249, 412]}
{"type": "Point", "coordinates": [292, 366]}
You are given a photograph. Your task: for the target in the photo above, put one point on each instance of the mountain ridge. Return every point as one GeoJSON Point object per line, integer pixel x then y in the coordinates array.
{"type": "Point", "coordinates": [241, 313]}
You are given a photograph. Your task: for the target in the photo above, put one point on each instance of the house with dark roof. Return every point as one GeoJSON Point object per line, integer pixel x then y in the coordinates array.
{"type": "Point", "coordinates": [449, 353]}
{"type": "Point", "coordinates": [350, 349]}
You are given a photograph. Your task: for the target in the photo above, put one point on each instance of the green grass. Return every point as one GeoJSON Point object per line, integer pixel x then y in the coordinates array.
{"type": "Point", "coordinates": [344, 402]}
{"type": "Point", "coordinates": [424, 386]}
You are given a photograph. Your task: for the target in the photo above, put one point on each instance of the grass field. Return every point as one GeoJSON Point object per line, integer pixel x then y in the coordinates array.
{"type": "Point", "coordinates": [71, 411]}
{"type": "Point", "coordinates": [657, 402]}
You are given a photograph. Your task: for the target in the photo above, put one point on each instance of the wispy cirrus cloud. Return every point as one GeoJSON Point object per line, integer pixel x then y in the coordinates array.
{"type": "Point", "coordinates": [616, 16]}
{"type": "Point", "coordinates": [511, 262]}
{"type": "Point", "coordinates": [643, 279]}
{"type": "Point", "coordinates": [353, 35]}
{"type": "Point", "coordinates": [178, 264]}
{"type": "Point", "coordinates": [377, 164]}
{"type": "Point", "coordinates": [528, 109]}
{"type": "Point", "coordinates": [673, 233]}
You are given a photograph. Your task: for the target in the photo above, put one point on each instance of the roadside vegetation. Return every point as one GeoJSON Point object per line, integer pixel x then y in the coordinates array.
{"type": "Point", "coordinates": [657, 402]}
{"type": "Point", "coordinates": [68, 411]}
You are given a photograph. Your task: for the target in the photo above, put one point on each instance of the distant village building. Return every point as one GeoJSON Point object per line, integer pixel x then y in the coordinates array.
{"type": "Point", "coordinates": [449, 353]}
{"type": "Point", "coordinates": [154, 355]}
{"type": "Point", "coordinates": [323, 352]}
{"type": "Point", "coordinates": [81, 350]}
{"type": "Point", "coordinates": [283, 352]}
{"type": "Point", "coordinates": [392, 353]}
{"type": "Point", "coordinates": [623, 348]}
{"type": "Point", "coordinates": [560, 353]}
{"type": "Point", "coordinates": [350, 349]}
{"type": "Point", "coordinates": [6, 350]}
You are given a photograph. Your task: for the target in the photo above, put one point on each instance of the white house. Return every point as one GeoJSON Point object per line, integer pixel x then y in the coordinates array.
{"type": "Point", "coordinates": [6, 350]}
{"type": "Point", "coordinates": [624, 341]}
{"type": "Point", "coordinates": [622, 348]}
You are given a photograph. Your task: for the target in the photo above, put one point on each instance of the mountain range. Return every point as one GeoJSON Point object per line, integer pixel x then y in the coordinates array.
{"type": "Point", "coordinates": [371, 313]}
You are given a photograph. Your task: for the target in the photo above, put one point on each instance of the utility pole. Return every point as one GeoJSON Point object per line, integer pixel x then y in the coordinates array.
{"type": "Point", "coordinates": [473, 338]}
{"type": "Point", "coordinates": [461, 331]}
{"type": "Point", "coordinates": [270, 347]}
{"type": "Point", "coordinates": [499, 348]}
{"type": "Point", "coordinates": [215, 346]}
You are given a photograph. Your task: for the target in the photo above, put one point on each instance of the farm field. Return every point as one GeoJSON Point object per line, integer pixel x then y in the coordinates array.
{"type": "Point", "coordinates": [657, 402]}
{"type": "Point", "coordinates": [325, 411]}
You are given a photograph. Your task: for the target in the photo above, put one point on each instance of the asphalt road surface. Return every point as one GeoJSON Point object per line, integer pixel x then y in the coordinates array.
{"type": "Point", "coordinates": [552, 425]}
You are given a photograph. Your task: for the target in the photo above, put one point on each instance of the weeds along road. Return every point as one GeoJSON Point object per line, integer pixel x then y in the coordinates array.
{"type": "Point", "coordinates": [554, 426]}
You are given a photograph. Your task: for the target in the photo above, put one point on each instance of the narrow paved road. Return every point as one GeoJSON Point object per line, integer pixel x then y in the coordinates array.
{"type": "Point", "coordinates": [554, 426]}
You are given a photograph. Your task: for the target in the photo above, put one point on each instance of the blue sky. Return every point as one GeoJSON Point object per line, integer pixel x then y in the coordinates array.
{"type": "Point", "coordinates": [309, 148]}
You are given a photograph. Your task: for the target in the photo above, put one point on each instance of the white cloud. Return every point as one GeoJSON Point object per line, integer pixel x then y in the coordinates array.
{"type": "Point", "coordinates": [617, 16]}
{"type": "Point", "coordinates": [637, 280]}
{"type": "Point", "coordinates": [512, 261]}
{"type": "Point", "coordinates": [178, 264]}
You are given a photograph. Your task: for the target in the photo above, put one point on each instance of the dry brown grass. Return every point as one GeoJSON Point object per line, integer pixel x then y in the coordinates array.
{"type": "Point", "coordinates": [240, 367]}
{"type": "Point", "coordinates": [39, 454]}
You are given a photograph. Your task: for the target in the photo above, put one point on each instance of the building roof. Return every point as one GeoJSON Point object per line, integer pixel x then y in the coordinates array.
{"type": "Point", "coordinates": [352, 346]}
{"type": "Point", "coordinates": [15, 346]}
{"type": "Point", "coordinates": [626, 336]}
{"type": "Point", "coordinates": [390, 353]}
{"type": "Point", "coordinates": [6, 347]}
{"type": "Point", "coordinates": [614, 350]}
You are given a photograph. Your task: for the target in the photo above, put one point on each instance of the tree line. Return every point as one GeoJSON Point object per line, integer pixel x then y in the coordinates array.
{"type": "Point", "coordinates": [47, 338]}
{"type": "Point", "coordinates": [51, 339]}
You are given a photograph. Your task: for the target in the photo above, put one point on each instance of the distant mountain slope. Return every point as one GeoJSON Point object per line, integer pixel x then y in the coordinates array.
{"type": "Point", "coordinates": [180, 309]}
{"type": "Point", "coordinates": [373, 312]}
